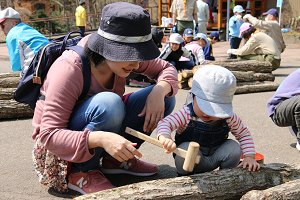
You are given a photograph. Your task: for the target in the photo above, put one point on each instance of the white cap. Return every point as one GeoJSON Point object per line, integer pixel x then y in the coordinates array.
{"type": "Point", "coordinates": [175, 38]}
{"type": "Point", "coordinates": [214, 87]}
{"type": "Point", "coordinates": [9, 13]}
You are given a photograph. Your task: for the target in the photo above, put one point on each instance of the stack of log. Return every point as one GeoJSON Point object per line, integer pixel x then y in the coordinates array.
{"type": "Point", "coordinates": [251, 75]}
{"type": "Point", "coordinates": [9, 108]}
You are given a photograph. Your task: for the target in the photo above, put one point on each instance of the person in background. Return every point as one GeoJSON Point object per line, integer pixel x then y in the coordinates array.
{"type": "Point", "coordinates": [173, 51]}
{"type": "Point", "coordinates": [235, 23]}
{"type": "Point", "coordinates": [196, 46]}
{"type": "Point", "coordinates": [284, 106]}
{"type": "Point", "coordinates": [270, 26]}
{"type": "Point", "coordinates": [93, 129]}
{"type": "Point", "coordinates": [139, 80]}
{"type": "Point", "coordinates": [183, 14]}
{"type": "Point", "coordinates": [207, 117]}
{"type": "Point", "coordinates": [213, 38]}
{"type": "Point", "coordinates": [80, 15]}
{"type": "Point", "coordinates": [259, 46]}
{"type": "Point", "coordinates": [22, 41]}
{"type": "Point", "coordinates": [187, 36]}
{"type": "Point", "coordinates": [203, 16]}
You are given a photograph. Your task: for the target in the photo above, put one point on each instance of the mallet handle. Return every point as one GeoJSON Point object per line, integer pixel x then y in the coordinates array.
{"type": "Point", "coordinates": [156, 142]}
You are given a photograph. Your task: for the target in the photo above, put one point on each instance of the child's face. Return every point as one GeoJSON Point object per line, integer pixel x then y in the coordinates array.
{"type": "Point", "coordinates": [174, 46]}
{"type": "Point", "coordinates": [201, 42]}
{"type": "Point", "coordinates": [214, 40]}
{"type": "Point", "coordinates": [187, 38]}
{"type": "Point", "coordinates": [202, 115]}
{"type": "Point", "coordinates": [238, 13]}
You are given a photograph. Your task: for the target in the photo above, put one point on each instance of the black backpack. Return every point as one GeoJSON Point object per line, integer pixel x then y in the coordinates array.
{"type": "Point", "coordinates": [28, 90]}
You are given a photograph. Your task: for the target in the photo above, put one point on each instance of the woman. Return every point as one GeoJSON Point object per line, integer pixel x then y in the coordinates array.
{"type": "Point", "coordinates": [259, 46]}
{"type": "Point", "coordinates": [84, 132]}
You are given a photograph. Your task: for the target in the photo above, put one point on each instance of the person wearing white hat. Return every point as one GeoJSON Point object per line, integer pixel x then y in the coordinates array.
{"type": "Point", "coordinates": [235, 23]}
{"type": "Point", "coordinates": [206, 118]}
{"type": "Point", "coordinates": [174, 51]}
{"type": "Point", "coordinates": [196, 46]}
{"type": "Point", "coordinates": [22, 41]}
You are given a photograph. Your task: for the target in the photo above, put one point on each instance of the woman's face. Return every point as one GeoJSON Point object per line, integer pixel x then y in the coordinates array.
{"type": "Point", "coordinates": [122, 69]}
{"type": "Point", "coordinates": [200, 114]}
{"type": "Point", "coordinates": [174, 46]}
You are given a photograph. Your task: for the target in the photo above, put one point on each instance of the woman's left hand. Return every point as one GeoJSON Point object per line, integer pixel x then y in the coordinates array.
{"type": "Point", "coordinates": [155, 106]}
{"type": "Point", "coordinates": [250, 162]}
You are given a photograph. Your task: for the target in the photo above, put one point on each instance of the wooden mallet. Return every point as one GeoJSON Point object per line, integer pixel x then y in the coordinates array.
{"type": "Point", "coordinates": [191, 155]}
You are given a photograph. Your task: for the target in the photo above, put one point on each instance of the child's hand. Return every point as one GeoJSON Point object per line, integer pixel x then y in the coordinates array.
{"type": "Point", "coordinates": [250, 161]}
{"type": "Point", "coordinates": [167, 142]}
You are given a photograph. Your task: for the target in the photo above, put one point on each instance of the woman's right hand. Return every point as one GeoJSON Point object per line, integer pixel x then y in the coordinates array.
{"type": "Point", "coordinates": [168, 143]}
{"type": "Point", "coordinates": [114, 144]}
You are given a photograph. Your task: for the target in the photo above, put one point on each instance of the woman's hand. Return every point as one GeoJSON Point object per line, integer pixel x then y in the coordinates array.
{"type": "Point", "coordinates": [114, 144]}
{"type": "Point", "coordinates": [167, 142]}
{"type": "Point", "coordinates": [155, 106]}
{"type": "Point", "coordinates": [250, 161]}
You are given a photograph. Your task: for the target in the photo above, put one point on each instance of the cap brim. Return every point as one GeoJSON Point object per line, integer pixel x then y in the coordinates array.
{"type": "Point", "coordinates": [214, 109]}
{"type": "Point", "coordinates": [266, 13]}
{"type": "Point", "coordinates": [126, 52]}
{"type": "Point", "coordinates": [1, 20]}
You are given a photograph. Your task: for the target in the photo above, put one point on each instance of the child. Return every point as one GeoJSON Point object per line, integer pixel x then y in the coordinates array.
{"type": "Point", "coordinates": [196, 47]}
{"type": "Point", "coordinates": [174, 50]}
{"type": "Point", "coordinates": [206, 118]}
{"type": "Point", "coordinates": [187, 36]}
{"type": "Point", "coordinates": [235, 23]}
{"type": "Point", "coordinates": [208, 51]}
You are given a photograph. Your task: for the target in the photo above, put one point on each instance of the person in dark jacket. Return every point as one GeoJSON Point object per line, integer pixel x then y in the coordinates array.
{"type": "Point", "coordinates": [213, 38]}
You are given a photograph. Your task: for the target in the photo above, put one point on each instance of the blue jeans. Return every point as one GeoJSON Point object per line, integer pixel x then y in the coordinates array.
{"type": "Point", "coordinates": [106, 111]}
{"type": "Point", "coordinates": [234, 44]}
{"type": "Point", "coordinates": [181, 65]}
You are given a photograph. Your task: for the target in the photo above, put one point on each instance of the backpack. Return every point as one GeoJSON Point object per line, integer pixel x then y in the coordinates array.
{"type": "Point", "coordinates": [28, 90]}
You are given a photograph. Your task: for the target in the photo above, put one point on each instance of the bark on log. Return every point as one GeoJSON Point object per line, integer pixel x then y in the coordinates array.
{"type": "Point", "coordinates": [7, 93]}
{"type": "Point", "coordinates": [248, 65]}
{"type": "Point", "coordinates": [11, 74]}
{"type": "Point", "coordinates": [252, 76]}
{"type": "Point", "coordinates": [9, 82]}
{"type": "Point", "coordinates": [10, 109]}
{"type": "Point", "coordinates": [289, 190]}
{"type": "Point", "coordinates": [218, 185]}
{"type": "Point", "coordinates": [257, 86]}
{"type": "Point", "coordinates": [183, 84]}
{"type": "Point", "coordinates": [187, 73]}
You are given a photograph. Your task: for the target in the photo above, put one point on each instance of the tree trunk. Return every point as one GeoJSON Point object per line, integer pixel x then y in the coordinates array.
{"type": "Point", "coordinates": [258, 86]}
{"type": "Point", "coordinates": [187, 73]}
{"type": "Point", "coordinates": [218, 185]}
{"type": "Point", "coordinates": [9, 82]}
{"type": "Point", "coordinates": [248, 65]}
{"type": "Point", "coordinates": [289, 190]}
{"type": "Point", "coordinates": [252, 76]}
{"type": "Point", "coordinates": [7, 93]}
{"type": "Point", "coordinates": [11, 109]}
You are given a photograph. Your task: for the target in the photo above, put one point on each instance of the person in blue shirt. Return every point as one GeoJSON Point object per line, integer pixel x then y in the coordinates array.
{"type": "Point", "coordinates": [213, 38]}
{"type": "Point", "coordinates": [22, 41]}
{"type": "Point", "coordinates": [235, 23]}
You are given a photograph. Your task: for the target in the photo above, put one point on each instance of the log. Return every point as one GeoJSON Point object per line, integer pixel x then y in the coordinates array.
{"type": "Point", "coordinates": [187, 73]}
{"type": "Point", "coordinates": [9, 82]}
{"type": "Point", "coordinates": [252, 76]}
{"type": "Point", "coordinates": [183, 84]}
{"type": "Point", "coordinates": [219, 185]}
{"type": "Point", "coordinates": [7, 93]}
{"type": "Point", "coordinates": [257, 86]}
{"type": "Point", "coordinates": [11, 74]}
{"type": "Point", "coordinates": [289, 190]}
{"type": "Point", "coordinates": [10, 109]}
{"type": "Point", "coordinates": [190, 82]}
{"type": "Point", "coordinates": [181, 78]}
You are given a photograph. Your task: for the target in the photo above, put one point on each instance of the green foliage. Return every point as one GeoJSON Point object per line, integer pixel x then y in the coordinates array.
{"type": "Point", "coordinates": [40, 26]}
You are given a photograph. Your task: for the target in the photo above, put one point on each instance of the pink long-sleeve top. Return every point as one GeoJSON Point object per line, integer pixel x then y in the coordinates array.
{"type": "Point", "coordinates": [63, 86]}
{"type": "Point", "coordinates": [180, 120]}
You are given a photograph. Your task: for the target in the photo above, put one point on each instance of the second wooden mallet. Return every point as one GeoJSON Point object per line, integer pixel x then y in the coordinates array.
{"type": "Point", "coordinates": [191, 155]}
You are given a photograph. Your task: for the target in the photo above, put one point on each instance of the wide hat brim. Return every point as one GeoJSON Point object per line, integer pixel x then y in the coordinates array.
{"type": "Point", "coordinates": [123, 52]}
{"type": "Point", "coordinates": [220, 110]}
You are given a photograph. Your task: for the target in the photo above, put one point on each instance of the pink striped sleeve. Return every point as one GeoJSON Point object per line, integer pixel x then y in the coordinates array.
{"type": "Point", "coordinates": [177, 120]}
{"type": "Point", "coordinates": [241, 133]}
